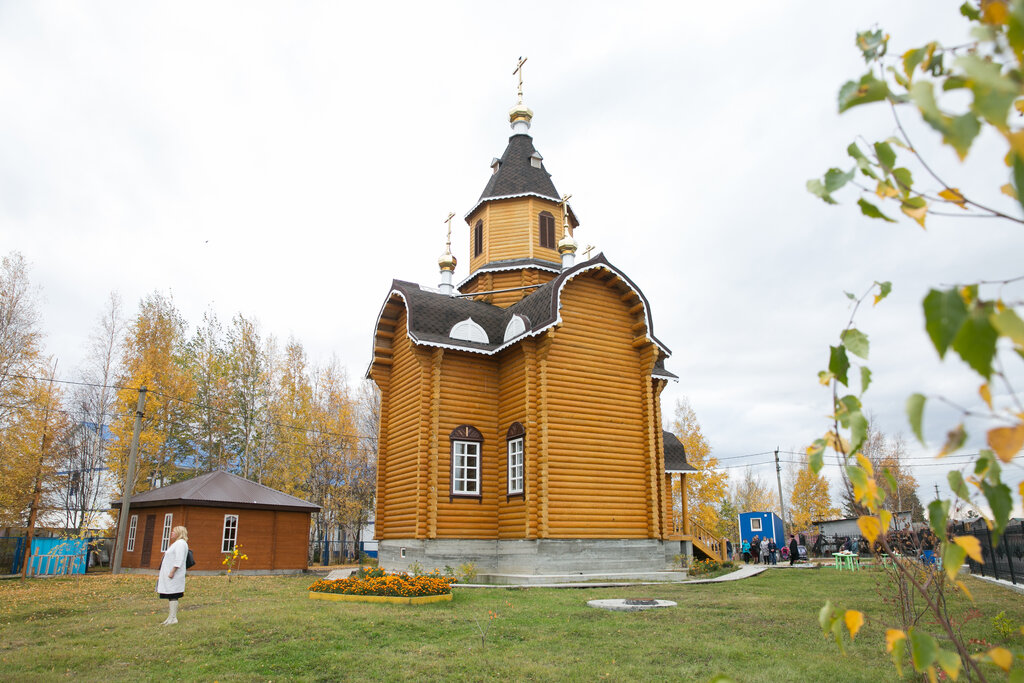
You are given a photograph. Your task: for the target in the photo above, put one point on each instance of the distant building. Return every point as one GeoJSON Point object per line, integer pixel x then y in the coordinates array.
{"type": "Point", "coordinates": [763, 525]}
{"type": "Point", "coordinates": [848, 526]}
{"type": "Point", "coordinates": [220, 510]}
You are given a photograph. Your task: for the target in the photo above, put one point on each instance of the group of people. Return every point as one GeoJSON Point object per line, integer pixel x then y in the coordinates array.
{"type": "Point", "coordinates": [765, 551]}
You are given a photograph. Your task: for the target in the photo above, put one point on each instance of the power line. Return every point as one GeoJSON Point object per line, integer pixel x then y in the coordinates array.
{"type": "Point", "coordinates": [306, 430]}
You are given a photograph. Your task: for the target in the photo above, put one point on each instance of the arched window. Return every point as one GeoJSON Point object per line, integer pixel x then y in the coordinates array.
{"type": "Point", "coordinates": [468, 330]}
{"type": "Point", "coordinates": [516, 439]}
{"type": "Point", "coordinates": [547, 230]}
{"type": "Point", "coordinates": [478, 238]}
{"type": "Point", "coordinates": [467, 446]}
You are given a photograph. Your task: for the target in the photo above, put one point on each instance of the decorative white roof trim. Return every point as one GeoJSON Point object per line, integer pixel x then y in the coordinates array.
{"type": "Point", "coordinates": [515, 328]}
{"type": "Point", "coordinates": [497, 269]}
{"type": "Point", "coordinates": [661, 376]}
{"type": "Point", "coordinates": [625, 280]}
{"type": "Point", "coordinates": [510, 196]}
{"type": "Point", "coordinates": [530, 333]}
{"type": "Point", "coordinates": [468, 330]}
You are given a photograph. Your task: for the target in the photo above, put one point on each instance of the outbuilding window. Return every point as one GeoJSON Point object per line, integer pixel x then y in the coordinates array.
{"type": "Point", "coordinates": [230, 533]}
{"type": "Point", "coordinates": [165, 538]}
{"type": "Point", "coordinates": [516, 467]}
{"type": "Point", "coordinates": [466, 442]}
{"type": "Point", "coordinates": [133, 523]}
{"type": "Point", "coordinates": [755, 523]}
{"type": "Point", "coordinates": [547, 230]}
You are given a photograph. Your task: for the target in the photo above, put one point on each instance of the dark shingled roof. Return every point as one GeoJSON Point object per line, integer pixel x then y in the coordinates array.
{"type": "Point", "coordinates": [516, 175]}
{"type": "Point", "coordinates": [675, 455]}
{"type": "Point", "coordinates": [513, 264]}
{"type": "Point", "coordinates": [431, 314]}
{"type": "Point", "coordinates": [220, 489]}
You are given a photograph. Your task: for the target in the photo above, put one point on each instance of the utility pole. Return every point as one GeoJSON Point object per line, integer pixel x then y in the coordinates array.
{"type": "Point", "coordinates": [129, 484]}
{"type": "Point", "coordinates": [782, 505]}
{"type": "Point", "coordinates": [936, 492]}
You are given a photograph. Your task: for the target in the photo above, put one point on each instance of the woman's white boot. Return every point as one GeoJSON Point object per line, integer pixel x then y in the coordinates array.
{"type": "Point", "coordinates": [172, 617]}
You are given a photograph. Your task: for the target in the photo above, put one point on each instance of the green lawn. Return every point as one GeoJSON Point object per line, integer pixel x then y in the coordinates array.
{"type": "Point", "coordinates": [265, 628]}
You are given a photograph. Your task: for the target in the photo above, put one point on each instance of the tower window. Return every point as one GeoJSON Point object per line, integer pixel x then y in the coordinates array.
{"type": "Point", "coordinates": [478, 238]}
{"type": "Point", "coordinates": [547, 230]}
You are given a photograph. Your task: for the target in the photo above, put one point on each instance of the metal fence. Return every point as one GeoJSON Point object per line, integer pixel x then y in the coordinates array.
{"type": "Point", "coordinates": [1003, 561]}
{"type": "Point", "coordinates": [10, 554]}
{"type": "Point", "coordinates": [333, 552]}
{"type": "Point", "coordinates": [90, 554]}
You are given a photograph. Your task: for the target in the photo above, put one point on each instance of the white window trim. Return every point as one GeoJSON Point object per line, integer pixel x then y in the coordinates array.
{"type": "Point", "coordinates": [132, 525]}
{"type": "Point", "coordinates": [756, 521]}
{"type": "Point", "coordinates": [165, 537]}
{"type": "Point", "coordinates": [231, 537]}
{"type": "Point", "coordinates": [516, 465]}
{"type": "Point", "coordinates": [460, 483]}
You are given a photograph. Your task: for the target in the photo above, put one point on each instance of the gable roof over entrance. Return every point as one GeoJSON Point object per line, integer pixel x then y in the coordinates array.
{"type": "Point", "coordinates": [220, 489]}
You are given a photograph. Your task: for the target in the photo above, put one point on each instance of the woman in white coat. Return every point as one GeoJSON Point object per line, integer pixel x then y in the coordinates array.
{"type": "Point", "coordinates": [171, 583]}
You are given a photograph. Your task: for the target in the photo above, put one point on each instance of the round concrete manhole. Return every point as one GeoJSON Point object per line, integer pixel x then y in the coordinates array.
{"type": "Point", "coordinates": [630, 604]}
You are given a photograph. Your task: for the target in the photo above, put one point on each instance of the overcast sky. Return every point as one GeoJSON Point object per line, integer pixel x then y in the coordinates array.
{"type": "Point", "coordinates": [287, 160]}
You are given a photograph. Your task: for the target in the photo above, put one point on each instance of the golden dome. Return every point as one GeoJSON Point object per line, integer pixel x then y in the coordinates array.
{"type": "Point", "coordinates": [520, 112]}
{"type": "Point", "coordinates": [446, 261]}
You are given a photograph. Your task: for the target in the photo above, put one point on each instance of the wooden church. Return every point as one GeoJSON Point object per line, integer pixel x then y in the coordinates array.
{"type": "Point", "coordinates": [520, 411]}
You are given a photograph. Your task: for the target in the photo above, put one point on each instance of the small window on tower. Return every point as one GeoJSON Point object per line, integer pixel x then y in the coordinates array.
{"type": "Point", "coordinates": [478, 238]}
{"type": "Point", "coordinates": [547, 230]}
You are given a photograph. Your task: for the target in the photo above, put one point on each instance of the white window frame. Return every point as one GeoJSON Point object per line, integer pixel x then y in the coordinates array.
{"type": "Point", "coordinates": [756, 521]}
{"type": "Point", "coordinates": [465, 458]}
{"type": "Point", "coordinates": [230, 536]}
{"type": "Point", "coordinates": [133, 523]}
{"type": "Point", "coordinates": [165, 538]}
{"type": "Point", "coordinates": [516, 468]}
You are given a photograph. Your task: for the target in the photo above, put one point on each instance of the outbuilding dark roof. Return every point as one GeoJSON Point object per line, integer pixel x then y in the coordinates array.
{"type": "Point", "coordinates": [675, 454]}
{"type": "Point", "coordinates": [516, 175]}
{"type": "Point", "coordinates": [432, 315]}
{"type": "Point", "coordinates": [220, 489]}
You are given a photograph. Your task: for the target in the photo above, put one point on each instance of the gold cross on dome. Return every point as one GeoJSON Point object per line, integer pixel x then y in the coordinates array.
{"type": "Point", "coordinates": [565, 214]}
{"type": "Point", "coordinates": [448, 244]}
{"type": "Point", "coordinates": [519, 71]}
{"type": "Point", "coordinates": [586, 252]}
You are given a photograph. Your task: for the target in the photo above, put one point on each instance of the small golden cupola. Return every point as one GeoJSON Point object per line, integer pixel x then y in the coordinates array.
{"type": "Point", "coordinates": [446, 262]}
{"type": "Point", "coordinates": [513, 227]}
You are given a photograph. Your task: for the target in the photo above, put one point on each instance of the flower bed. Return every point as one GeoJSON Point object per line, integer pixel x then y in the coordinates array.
{"type": "Point", "coordinates": [377, 582]}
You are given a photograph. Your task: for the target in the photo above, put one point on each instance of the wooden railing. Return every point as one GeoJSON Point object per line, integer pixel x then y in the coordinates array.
{"type": "Point", "coordinates": [707, 541]}
{"type": "Point", "coordinates": [712, 544]}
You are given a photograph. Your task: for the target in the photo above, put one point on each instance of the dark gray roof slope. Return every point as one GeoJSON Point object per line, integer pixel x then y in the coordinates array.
{"type": "Point", "coordinates": [675, 454]}
{"type": "Point", "coordinates": [516, 175]}
{"type": "Point", "coordinates": [431, 314]}
{"type": "Point", "coordinates": [220, 489]}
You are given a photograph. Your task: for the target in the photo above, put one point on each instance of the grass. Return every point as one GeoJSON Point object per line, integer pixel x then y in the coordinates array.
{"type": "Point", "coordinates": [265, 628]}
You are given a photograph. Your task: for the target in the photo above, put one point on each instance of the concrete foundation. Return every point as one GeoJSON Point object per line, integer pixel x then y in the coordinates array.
{"type": "Point", "coordinates": [511, 561]}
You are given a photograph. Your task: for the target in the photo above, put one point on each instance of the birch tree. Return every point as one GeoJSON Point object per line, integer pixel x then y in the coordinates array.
{"type": "Point", "coordinates": [82, 491]}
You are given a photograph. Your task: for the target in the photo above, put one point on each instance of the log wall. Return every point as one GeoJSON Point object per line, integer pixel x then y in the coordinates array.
{"type": "Point", "coordinates": [469, 396]}
{"type": "Point", "coordinates": [399, 464]}
{"type": "Point", "coordinates": [599, 448]}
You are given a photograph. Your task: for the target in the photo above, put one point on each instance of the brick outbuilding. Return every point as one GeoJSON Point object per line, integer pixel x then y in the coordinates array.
{"type": "Point", "coordinates": [220, 510]}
